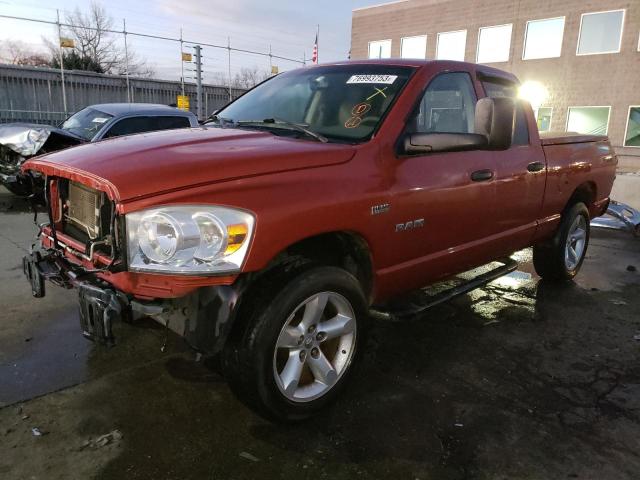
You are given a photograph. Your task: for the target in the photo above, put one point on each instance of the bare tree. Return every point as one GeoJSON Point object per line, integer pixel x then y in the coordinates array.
{"type": "Point", "coordinates": [95, 47]}
{"type": "Point", "coordinates": [249, 77]}
{"type": "Point", "coordinates": [19, 53]}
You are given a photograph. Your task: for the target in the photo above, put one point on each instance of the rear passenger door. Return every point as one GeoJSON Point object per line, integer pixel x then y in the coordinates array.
{"type": "Point", "coordinates": [520, 173]}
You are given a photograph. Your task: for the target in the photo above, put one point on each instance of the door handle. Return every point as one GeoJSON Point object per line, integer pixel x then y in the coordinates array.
{"type": "Point", "coordinates": [535, 167]}
{"type": "Point", "coordinates": [482, 175]}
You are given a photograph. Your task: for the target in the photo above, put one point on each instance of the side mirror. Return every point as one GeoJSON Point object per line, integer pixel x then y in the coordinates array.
{"type": "Point", "coordinates": [494, 120]}
{"type": "Point", "coordinates": [421, 143]}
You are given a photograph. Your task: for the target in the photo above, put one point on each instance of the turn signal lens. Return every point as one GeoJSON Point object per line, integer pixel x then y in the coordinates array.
{"type": "Point", "coordinates": [236, 235]}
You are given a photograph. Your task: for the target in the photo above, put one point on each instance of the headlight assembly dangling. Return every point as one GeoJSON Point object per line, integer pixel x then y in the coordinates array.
{"type": "Point", "coordinates": [188, 239]}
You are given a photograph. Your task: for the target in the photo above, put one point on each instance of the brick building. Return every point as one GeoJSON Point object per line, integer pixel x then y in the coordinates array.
{"type": "Point", "coordinates": [578, 60]}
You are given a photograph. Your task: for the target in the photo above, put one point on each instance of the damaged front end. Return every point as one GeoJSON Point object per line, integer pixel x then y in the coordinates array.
{"type": "Point", "coordinates": [21, 141]}
{"type": "Point", "coordinates": [83, 246]}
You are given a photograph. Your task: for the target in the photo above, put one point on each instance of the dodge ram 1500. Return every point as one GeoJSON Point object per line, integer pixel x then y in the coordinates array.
{"type": "Point", "coordinates": [266, 235]}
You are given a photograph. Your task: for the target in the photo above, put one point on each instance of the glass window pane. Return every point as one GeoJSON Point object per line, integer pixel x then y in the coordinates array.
{"type": "Point", "coordinates": [544, 118]}
{"type": "Point", "coordinates": [380, 49]}
{"type": "Point", "coordinates": [632, 137]}
{"type": "Point", "coordinates": [448, 106]}
{"type": "Point", "coordinates": [588, 120]}
{"type": "Point", "coordinates": [543, 38]}
{"type": "Point", "coordinates": [494, 44]}
{"type": "Point", "coordinates": [600, 32]}
{"type": "Point", "coordinates": [414, 47]}
{"type": "Point", "coordinates": [451, 45]}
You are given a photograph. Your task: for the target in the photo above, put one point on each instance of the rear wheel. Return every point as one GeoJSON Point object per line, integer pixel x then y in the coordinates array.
{"type": "Point", "coordinates": [561, 258]}
{"type": "Point", "coordinates": [298, 346]}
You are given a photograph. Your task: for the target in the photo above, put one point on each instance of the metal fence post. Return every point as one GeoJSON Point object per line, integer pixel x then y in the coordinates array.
{"type": "Point", "coordinates": [181, 62]}
{"type": "Point", "coordinates": [64, 92]}
{"type": "Point", "coordinates": [126, 58]}
{"type": "Point", "coordinates": [199, 105]}
{"type": "Point", "coordinates": [229, 65]}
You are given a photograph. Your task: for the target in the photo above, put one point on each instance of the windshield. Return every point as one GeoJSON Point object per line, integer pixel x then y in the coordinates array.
{"type": "Point", "coordinates": [86, 123]}
{"type": "Point", "coordinates": [339, 102]}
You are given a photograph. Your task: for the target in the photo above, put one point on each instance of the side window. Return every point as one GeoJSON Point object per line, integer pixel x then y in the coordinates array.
{"type": "Point", "coordinates": [448, 106]}
{"type": "Point", "coordinates": [521, 129]}
{"type": "Point", "coordinates": [168, 123]}
{"type": "Point", "coordinates": [128, 126]}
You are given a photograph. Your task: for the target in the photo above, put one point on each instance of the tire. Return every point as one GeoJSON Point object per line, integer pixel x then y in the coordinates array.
{"type": "Point", "coordinates": [560, 258]}
{"type": "Point", "coordinates": [263, 375]}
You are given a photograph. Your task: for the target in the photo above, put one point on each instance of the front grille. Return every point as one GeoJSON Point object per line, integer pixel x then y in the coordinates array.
{"type": "Point", "coordinates": [83, 209]}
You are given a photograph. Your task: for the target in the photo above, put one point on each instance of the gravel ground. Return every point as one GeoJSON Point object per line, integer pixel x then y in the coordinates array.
{"type": "Point", "coordinates": [517, 380]}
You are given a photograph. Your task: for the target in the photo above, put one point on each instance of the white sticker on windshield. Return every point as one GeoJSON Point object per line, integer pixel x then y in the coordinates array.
{"type": "Point", "coordinates": [385, 79]}
{"type": "Point", "coordinates": [99, 120]}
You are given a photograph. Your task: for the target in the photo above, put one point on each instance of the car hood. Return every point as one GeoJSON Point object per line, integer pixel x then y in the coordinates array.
{"type": "Point", "coordinates": [27, 139]}
{"type": "Point", "coordinates": [138, 166]}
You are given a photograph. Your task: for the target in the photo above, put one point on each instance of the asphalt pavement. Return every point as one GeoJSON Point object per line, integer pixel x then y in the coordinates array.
{"type": "Point", "coordinates": [516, 380]}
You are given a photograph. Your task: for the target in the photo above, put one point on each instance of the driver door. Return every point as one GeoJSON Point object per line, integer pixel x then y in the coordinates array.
{"type": "Point", "coordinates": [441, 208]}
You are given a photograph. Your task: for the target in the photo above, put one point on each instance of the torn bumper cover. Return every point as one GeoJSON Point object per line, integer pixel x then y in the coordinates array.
{"type": "Point", "coordinates": [619, 216]}
{"type": "Point", "coordinates": [203, 318]}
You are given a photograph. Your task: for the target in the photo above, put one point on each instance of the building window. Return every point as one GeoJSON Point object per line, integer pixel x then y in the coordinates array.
{"type": "Point", "coordinates": [588, 120]}
{"type": "Point", "coordinates": [494, 44]}
{"type": "Point", "coordinates": [543, 118]}
{"type": "Point", "coordinates": [543, 38]}
{"type": "Point", "coordinates": [380, 49]}
{"type": "Point", "coordinates": [414, 47]}
{"type": "Point", "coordinates": [632, 133]}
{"type": "Point", "coordinates": [600, 32]}
{"type": "Point", "coordinates": [451, 45]}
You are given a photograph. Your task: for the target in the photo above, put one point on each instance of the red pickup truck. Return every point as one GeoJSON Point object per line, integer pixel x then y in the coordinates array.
{"type": "Point", "coordinates": [266, 235]}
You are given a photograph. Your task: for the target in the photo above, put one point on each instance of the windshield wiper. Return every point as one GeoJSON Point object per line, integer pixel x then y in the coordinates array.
{"type": "Point", "coordinates": [221, 120]}
{"type": "Point", "coordinates": [295, 126]}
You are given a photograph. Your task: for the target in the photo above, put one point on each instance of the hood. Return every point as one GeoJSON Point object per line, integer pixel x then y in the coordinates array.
{"type": "Point", "coordinates": [27, 139]}
{"type": "Point", "coordinates": [138, 166]}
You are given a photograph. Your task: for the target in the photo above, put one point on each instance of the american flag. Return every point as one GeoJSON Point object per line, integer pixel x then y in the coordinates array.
{"type": "Point", "coordinates": [314, 55]}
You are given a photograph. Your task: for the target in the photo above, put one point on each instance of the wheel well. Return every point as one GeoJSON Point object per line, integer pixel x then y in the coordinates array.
{"type": "Point", "coordinates": [585, 193]}
{"type": "Point", "coordinates": [346, 250]}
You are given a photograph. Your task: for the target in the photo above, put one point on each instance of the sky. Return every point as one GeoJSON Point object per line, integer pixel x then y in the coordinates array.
{"type": "Point", "coordinates": [288, 26]}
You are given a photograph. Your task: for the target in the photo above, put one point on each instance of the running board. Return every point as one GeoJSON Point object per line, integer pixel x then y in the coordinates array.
{"type": "Point", "coordinates": [400, 312]}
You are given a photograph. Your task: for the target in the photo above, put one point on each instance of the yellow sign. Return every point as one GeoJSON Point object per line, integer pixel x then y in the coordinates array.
{"type": "Point", "coordinates": [67, 42]}
{"type": "Point", "coordinates": [274, 70]}
{"type": "Point", "coordinates": [186, 57]}
{"type": "Point", "coordinates": [183, 102]}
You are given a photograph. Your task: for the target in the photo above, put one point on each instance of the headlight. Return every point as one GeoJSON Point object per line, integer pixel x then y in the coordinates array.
{"type": "Point", "coordinates": [188, 239]}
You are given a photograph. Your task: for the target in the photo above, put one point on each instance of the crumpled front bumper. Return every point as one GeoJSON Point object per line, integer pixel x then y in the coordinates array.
{"type": "Point", "coordinates": [203, 318]}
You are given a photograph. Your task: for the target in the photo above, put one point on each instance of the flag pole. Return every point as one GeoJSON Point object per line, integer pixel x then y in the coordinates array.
{"type": "Point", "coordinates": [318, 43]}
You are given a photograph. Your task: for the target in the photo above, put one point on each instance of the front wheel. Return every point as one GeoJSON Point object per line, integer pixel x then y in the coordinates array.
{"type": "Point", "coordinates": [298, 346]}
{"type": "Point", "coordinates": [560, 259]}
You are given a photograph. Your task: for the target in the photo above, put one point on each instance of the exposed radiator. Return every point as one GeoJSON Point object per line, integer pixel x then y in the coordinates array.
{"type": "Point", "coordinates": [83, 210]}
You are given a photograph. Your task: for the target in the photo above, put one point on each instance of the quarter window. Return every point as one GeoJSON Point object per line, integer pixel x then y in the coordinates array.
{"type": "Point", "coordinates": [448, 106]}
{"type": "Point", "coordinates": [600, 32]}
{"type": "Point", "coordinates": [451, 45]}
{"type": "Point", "coordinates": [588, 120]}
{"type": "Point", "coordinates": [380, 49]}
{"type": "Point", "coordinates": [494, 44]}
{"type": "Point", "coordinates": [414, 47]}
{"type": "Point", "coordinates": [632, 134]}
{"type": "Point", "coordinates": [543, 38]}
